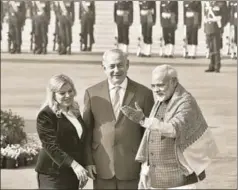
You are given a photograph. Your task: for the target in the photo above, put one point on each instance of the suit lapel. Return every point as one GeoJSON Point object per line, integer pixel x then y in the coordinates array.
{"type": "Point", "coordinates": [106, 95]}
{"type": "Point", "coordinates": [67, 122]}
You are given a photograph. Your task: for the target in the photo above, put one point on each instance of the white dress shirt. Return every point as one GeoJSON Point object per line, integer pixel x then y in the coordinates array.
{"type": "Point", "coordinates": [122, 91]}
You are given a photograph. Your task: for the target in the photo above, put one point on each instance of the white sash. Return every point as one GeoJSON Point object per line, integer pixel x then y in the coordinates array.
{"type": "Point", "coordinates": [63, 8]}
{"type": "Point", "coordinates": [85, 5]}
{"type": "Point", "coordinates": [14, 5]}
{"type": "Point", "coordinates": [40, 7]}
{"type": "Point", "coordinates": [71, 117]}
{"type": "Point", "coordinates": [17, 3]}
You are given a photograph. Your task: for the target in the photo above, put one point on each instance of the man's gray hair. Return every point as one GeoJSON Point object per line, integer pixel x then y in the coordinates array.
{"type": "Point", "coordinates": [167, 70]}
{"type": "Point", "coordinates": [114, 51]}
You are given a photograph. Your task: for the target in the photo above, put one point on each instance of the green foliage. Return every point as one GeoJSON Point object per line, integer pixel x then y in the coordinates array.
{"type": "Point", "coordinates": [12, 128]}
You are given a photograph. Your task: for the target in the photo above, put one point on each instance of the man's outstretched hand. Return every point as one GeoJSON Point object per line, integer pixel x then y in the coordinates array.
{"type": "Point", "coordinates": [135, 115]}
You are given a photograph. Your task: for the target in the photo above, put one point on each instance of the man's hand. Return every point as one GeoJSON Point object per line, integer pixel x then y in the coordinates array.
{"type": "Point", "coordinates": [135, 115]}
{"type": "Point", "coordinates": [91, 171]}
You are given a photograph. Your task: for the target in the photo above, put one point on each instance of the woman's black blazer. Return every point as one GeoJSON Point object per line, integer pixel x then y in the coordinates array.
{"type": "Point", "coordinates": [60, 143]}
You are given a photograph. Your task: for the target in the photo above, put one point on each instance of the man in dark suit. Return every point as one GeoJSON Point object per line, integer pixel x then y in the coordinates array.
{"type": "Point", "coordinates": [192, 22]}
{"type": "Point", "coordinates": [123, 17]}
{"type": "Point", "coordinates": [215, 18]}
{"type": "Point", "coordinates": [169, 21]}
{"type": "Point", "coordinates": [40, 22]}
{"type": "Point", "coordinates": [112, 139]}
{"type": "Point", "coordinates": [87, 18]}
{"type": "Point", "coordinates": [64, 21]}
{"type": "Point", "coordinates": [147, 19]}
{"type": "Point", "coordinates": [17, 17]}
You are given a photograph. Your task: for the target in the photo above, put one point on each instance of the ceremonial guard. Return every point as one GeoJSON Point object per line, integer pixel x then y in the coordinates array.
{"type": "Point", "coordinates": [169, 21]}
{"type": "Point", "coordinates": [192, 22]}
{"type": "Point", "coordinates": [215, 18]}
{"type": "Point", "coordinates": [17, 17]}
{"type": "Point", "coordinates": [123, 17]}
{"type": "Point", "coordinates": [147, 19]}
{"type": "Point", "coordinates": [225, 17]}
{"type": "Point", "coordinates": [40, 22]}
{"type": "Point", "coordinates": [65, 16]}
{"type": "Point", "coordinates": [232, 29]}
{"type": "Point", "coordinates": [87, 18]}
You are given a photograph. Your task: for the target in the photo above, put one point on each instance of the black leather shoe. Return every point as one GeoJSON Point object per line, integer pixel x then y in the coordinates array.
{"type": "Point", "coordinates": [217, 71]}
{"type": "Point", "coordinates": [13, 50]}
{"type": "Point", "coordinates": [69, 50]}
{"type": "Point", "coordinates": [209, 70]}
{"type": "Point", "coordinates": [18, 49]}
{"type": "Point", "coordinates": [84, 49]}
{"type": "Point", "coordinates": [44, 51]}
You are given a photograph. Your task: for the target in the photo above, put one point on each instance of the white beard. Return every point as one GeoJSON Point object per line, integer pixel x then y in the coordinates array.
{"type": "Point", "coordinates": [159, 98]}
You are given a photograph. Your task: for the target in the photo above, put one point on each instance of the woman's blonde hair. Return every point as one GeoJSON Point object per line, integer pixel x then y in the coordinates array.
{"type": "Point", "coordinates": [55, 84]}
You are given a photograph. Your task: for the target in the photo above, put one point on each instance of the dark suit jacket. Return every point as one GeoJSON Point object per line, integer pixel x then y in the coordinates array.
{"type": "Point", "coordinates": [60, 143]}
{"type": "Point", "coordinates": [125, 6]}
{"type": "Point", "coordinates": [87, 17]}
{"type": "Point", "coordinates": [169, 7]}
{"type": "Point", "coordinates": [20, 14]}
{"type": "Point", "coordinates": [212, 27]}
{"type": "Point", "coordinates": [196, 8]}
{"type": "Point", "coordinates": [147, 5]}
{"type": "Point", "coordinates": [34, 9]}
{"type": "Point", "coordinates": [232, 9]}
{"type": "Point", "coordinates": [112, 143]}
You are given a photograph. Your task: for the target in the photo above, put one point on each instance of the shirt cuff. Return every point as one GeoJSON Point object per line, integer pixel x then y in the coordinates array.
{"type": "Point", "coordinates": [147, 122]}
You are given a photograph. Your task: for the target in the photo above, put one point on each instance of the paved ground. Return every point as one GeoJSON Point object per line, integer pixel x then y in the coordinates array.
{"type": "Point", "coordinates": [23, 90]}
{"type": "Point", "coordinates": [95, 58]}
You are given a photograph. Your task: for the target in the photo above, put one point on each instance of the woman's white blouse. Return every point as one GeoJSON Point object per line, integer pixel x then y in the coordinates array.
{"type": "Point", "coordinates": [71, 117]}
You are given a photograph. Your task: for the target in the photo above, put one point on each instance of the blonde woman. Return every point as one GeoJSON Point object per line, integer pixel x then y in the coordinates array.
{"type": "Point", "coordinates": [61, 131]}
